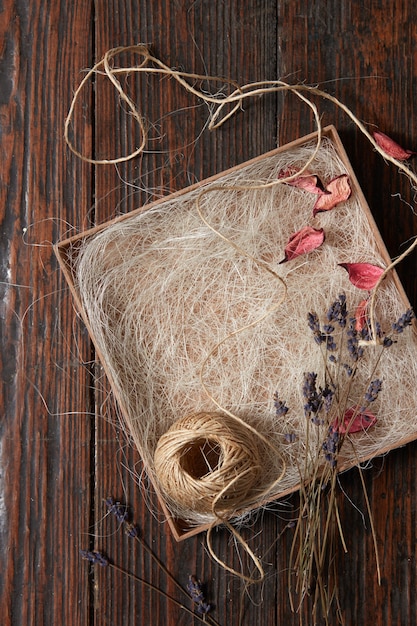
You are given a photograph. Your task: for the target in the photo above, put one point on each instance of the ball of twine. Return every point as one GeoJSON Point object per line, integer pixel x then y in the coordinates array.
{"type": "Point", "coordinates": [209, 463]}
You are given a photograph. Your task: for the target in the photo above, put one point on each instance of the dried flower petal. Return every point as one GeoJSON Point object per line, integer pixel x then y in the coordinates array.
{"type": "Point", "coordinates": [303, 241]}
{"type": "Point", "coordinates": [338, 189]}
{"type": "Point", "coordinates": [355, 420]}
{"type": "Point", "coordinates": [363, 275]}
{"type": "Point", "coordinates": [391, 147]}
{"type": "Point", "coordinates": [360, 315]}
{"type": "Point", "coordinates": [308, 181]}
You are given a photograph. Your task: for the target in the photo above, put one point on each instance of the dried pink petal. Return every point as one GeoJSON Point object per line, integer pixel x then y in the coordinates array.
{"type": "Point", "coordinates": [360, 314]}
{"type": "Point", "coordinates": [363, 275]}
{"type": "Point", "coordinates": [308, 181]}
{"type": "Point", "coordinates": [338, 190]}
{"type": "Point", "coordinates": [391, 147]}
{"type": "Point", "coordinates": [355, 420]}
{"type": "Point", "coordinates": [303, 241]}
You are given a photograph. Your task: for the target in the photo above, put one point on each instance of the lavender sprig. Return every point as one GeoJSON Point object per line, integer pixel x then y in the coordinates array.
{"type": "Point", "coordinates": [316, 400]}
{"type": "Point", "coordinates": [121, 512]}
{"type": "Point", "coordinates": [323, 335]}
{"type": "Point", "coordinates": [118, 510]}
{"type": "Point", "coordinates": [290, 437]}
{"type": "Point", "coordinates": [354, 349]}
{"type": "Point", "coordinates": [331, 447]}
{"type": "Point", "coordinates": [197, 595]}
{"type": "Point", "coordinates": [373, 390]}
{"type": "Point", "coordinates": [328, 395]}
{"type": "Point", "coordinates": [131, 530]}
{"type": "Point", "coordinates": [280, 406]}
{"type": "Point", "coordinates": [338, 311]}
{"type": "Point", "coordinates": [328, 407]}
{"type": "Point", "coordinates": [314, 325]}
{"type": "Point", "coordinates": [310, 393]}
{"type": "Point", "coordinates": [97, 558]}
{"type": "Point", "coordinates": [398, 327]}
{"type": "Point", "coordinates": [405, 320]}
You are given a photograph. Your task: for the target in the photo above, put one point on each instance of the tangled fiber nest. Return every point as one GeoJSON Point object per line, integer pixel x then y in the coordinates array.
{"type": "Point", "coordinates": [190, 323]}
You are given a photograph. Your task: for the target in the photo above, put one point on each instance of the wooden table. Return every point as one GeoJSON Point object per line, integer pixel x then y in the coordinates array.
{"type": "Point", "coordinates": [62, 451]}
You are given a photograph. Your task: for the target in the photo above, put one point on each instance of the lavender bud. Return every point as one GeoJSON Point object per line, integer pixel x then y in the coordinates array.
{"type": "Point", "coordinates": [338, 311]}
{"type": "Point", "coordinates": [404, 321]}
{"type": "Point", "coordinates": [197, 595]}
{"type": "Point", "coordinates": [290, 437]}
{"type": "Point", "coordinates": [314, 402]}
{"type": "Point", "coordinates": [131, 530]}
{"type": "Point", "coordinates": [97, 558]}
{"type": "Point", "coordinates": [118, 510]}
{"type": "Point", "coordinates": [373, 390]}
{"type": "Point", "coordinates": [280, 406]}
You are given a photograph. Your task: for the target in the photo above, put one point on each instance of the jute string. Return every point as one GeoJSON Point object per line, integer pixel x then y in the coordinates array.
{"type": "Point", "coordinates": [214, 463]}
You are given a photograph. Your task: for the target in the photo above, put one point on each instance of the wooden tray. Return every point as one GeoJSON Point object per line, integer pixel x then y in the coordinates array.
{"type": "Point", "coordinates": [66, 252]}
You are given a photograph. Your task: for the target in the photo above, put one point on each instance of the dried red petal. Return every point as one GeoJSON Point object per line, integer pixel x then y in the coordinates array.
{"type": "Point", "coordinates": [363, 275]}
{"type": "Point", "coordinates": [338, 189]}
{"type": "Point", "coordinates": [360, 314]}
{"type": "Point", "coordinates": [308, 181]}
{"type": "Point", "coordinates": [354, 421]}
{"type": "Point", "coordinates": [303, 241]}
{"type": "Point", "coordinates": [391, 147]}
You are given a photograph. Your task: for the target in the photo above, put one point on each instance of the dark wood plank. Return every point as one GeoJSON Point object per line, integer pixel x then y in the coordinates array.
{"type": "Point", "coordinates": [364, 56]}
{"type": "Point", "coordinates": [45, 425]}
{"type": "Point", "coordinates": [312, 42]}
{"type": "Point", "coordinates": [57, 465]}
{"type": "Point", "coordinates": [179, 34]}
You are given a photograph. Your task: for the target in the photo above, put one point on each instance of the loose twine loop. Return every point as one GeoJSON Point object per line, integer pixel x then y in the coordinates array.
{"type": "Point", "coordinates": [214, 463]}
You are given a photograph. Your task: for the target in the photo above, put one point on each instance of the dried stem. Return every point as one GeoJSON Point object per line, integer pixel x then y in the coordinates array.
{"type": "Point", "coordinates": [206, 619]}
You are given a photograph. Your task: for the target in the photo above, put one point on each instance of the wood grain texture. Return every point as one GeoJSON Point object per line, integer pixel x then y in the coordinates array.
{"type": "Point", "coordinates": [44, 425]}
{"type": "Point", "coordinates": [62, 449]}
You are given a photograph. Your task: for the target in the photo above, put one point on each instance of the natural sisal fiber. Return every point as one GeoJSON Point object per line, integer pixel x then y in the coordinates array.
{"type": "Point", "coordinates": [190, 322]}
